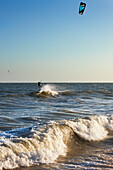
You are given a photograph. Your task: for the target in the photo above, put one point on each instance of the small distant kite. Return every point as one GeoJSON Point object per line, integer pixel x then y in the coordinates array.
{"type": "Point", "coordinates": [82, 8]}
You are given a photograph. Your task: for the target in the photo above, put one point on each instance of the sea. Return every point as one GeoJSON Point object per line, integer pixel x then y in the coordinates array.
{"type": "Point", "coordinates": [56, 126]}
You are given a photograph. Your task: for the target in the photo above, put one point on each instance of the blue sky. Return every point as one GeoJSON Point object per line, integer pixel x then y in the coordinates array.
{"type": "Point", "coordinates": [48, 40]}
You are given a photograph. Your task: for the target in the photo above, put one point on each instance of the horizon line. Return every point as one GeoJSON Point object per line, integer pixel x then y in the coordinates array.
{"type": "Point", "coordinates": [57, 81]}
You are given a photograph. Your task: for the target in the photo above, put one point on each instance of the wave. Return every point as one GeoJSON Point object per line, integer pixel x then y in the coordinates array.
{"type": "Point", "coordinates": [44, 146]}
{"type": "Point", "coordinates": [48, 90]}
{"type": "Point", "coordinates": [66, 92]}
{"type": "Point", "coordinates": [46, 143]}
{"type": "Point", "coordinates": [45, 91]}
{"type": "Point", "coordinates": [94, 128]}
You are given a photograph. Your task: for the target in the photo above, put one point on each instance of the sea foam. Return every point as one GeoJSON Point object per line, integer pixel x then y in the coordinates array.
{"type": "Point", "coordinates": [45, 146]}
{"type": "Point", "coordinates": [94, 128]}
{"type": "Point", "coordinates": [47, 143]}
{"type": "Point", "coordinates": [48, 90]}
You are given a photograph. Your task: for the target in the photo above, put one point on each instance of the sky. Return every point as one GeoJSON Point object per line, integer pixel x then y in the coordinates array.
{"type": "Point", "coordinates": [48, 41]}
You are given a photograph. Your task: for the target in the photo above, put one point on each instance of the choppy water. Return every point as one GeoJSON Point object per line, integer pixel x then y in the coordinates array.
{"type": "Point", "coordinates": [59, 126]}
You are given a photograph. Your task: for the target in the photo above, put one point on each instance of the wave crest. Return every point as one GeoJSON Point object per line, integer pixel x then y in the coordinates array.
{"type": "Point", "coordinates": [93, 128]}
{"type": "Point", "coordinates": [47, 143]}
{"type": "Point", "coordinates": [48, 90]}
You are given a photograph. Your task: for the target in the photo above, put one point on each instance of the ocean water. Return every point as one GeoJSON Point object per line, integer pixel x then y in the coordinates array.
{"type": "Point", "coordinates": [57, 126]}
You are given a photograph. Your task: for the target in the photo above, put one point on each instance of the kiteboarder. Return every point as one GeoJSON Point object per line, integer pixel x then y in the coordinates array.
{"type": "Point", "coordinates": [39, 84]}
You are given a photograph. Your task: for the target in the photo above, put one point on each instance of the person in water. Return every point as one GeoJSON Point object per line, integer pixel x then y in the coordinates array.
{"type": "Point", "coordinates": [39, 84]}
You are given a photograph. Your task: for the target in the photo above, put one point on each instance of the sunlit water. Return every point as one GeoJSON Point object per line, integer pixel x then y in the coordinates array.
{"type": "Point", "coordinates": [57, 126]}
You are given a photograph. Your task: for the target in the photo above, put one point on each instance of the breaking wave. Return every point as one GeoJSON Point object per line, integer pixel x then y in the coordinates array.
{"type": "Point", "coordinates": [45, 91]}
{"type": "Point", "coordinates": [48, 90]}
{"type": "Point", "coordinates": [46, 143]}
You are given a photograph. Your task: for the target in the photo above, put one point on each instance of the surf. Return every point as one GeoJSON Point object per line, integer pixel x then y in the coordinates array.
{"type": "Point", "coordinates": [47, 90]}
{"type": "Point", "coordinates": [44, 144]}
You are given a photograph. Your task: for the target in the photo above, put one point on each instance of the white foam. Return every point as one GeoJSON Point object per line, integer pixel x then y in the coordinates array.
{"type": "Point", "coordinates": [49, 142]}
{"type": "Point", "coordinates": [48, 89]}
{"type": "Point", "coordinates": [91, 129]}
{"type": "Point", "coordinates": [45, 146]}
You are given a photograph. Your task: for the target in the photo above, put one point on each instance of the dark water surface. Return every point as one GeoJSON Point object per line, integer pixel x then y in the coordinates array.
{"type": "Point", "coordinates": [59, 126]}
